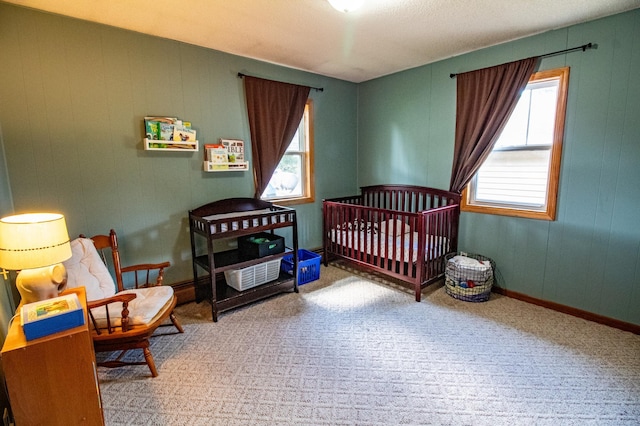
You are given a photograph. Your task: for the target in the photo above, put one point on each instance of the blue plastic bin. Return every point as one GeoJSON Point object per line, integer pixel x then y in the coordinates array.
{"type": "Point", "coordinates": [308, 266]}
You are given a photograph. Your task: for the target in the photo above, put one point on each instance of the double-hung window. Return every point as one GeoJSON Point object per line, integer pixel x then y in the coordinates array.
{"type": "Point", "coordinates": [292, 181]}
{"type": "Point", "coordinates": [520, 176]}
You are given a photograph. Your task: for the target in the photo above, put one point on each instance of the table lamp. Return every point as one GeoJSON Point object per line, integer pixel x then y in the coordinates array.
{"type": "Point", "coordinates": [35, 244]}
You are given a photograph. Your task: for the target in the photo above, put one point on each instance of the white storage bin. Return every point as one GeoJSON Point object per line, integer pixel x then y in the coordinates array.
{"type": "Point", "coordinates": [246, 278]}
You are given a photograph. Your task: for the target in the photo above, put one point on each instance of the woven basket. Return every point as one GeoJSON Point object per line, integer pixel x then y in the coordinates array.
{"type": "Point", "coordinates": [471, 283]}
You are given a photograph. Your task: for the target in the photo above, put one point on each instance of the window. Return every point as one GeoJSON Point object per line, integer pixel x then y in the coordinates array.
{"type": "Point", "coordinates": [292, 181]}
{"type": "Point", "coordinates": [520, 176]}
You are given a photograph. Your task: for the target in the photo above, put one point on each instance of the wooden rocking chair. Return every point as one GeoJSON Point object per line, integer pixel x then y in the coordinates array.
{"type": "Point", "coordinates": [126, 319]}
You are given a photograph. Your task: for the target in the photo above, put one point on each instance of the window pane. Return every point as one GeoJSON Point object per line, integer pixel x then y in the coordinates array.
{"type": "Point", "coordinates": [295, 142]}
{"type": "Point", "coordinates": [287, 180]}
{"type": "Point", "coordinates": [515, 131]}
{"type": "Point", "coordinates": [514, 177]}
{"type": "Point", "coordinates": [543, 114]}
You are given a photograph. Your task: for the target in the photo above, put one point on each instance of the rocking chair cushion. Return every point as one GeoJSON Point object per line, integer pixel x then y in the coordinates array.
{"type": "Point", "coordinates": [142, 310]}
{"type": "Point", "coordinates": [86, 268]}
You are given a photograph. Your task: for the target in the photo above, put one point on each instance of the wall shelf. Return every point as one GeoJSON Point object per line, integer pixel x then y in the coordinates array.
{"type": "Point", "coordinates": [157, 145]}
{"type": "Point", "coordinates": [210, 166]}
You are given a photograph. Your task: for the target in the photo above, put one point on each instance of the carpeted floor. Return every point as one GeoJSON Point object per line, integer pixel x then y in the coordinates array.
{"type": "Point", "coordinates": [353, 349]}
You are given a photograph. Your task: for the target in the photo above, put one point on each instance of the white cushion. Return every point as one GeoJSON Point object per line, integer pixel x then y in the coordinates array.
{"type": "Point", "coordinates": [147, 304]}
{"type": "Point", "coordinates": [86, 269]}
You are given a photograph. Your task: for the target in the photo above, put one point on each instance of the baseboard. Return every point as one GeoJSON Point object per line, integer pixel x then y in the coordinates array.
{"type": "Point", "coordinates": [589, 316]}
{"type": "Point", "coordinates": [185, 291]}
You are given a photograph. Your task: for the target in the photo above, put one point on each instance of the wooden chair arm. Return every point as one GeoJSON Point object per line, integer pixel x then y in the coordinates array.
{"type": "Point", "coordinates": [145, 279]}
{"type": "Point", "coordinates": [103, 303]}
{"type": "Point", "coordinates": [145, 266]}
{"type": "Point", "coordinates": [126, 297]}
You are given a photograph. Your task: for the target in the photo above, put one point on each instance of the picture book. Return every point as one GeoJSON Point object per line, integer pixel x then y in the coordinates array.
{"type": "Point", "coordinates": [166, 131]}
{"type": "Point", "coordinates": [152, 126]}
{"type": "Point", "coordinates": [152, 129]}
{"type": "Point", "coordinates": [215, 157]}
{"type": "Point", "coordinates": [235, 150]}
{"type": "Point", "coordinates": [184, 134]}
{"type": "Point", "coordinates": [50, 316]}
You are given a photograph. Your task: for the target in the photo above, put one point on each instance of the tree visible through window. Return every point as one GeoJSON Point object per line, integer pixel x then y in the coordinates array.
{"type": "Point", "coordinates": [520, 176]}
{"type": "Point", "coordinates": [292, 181]}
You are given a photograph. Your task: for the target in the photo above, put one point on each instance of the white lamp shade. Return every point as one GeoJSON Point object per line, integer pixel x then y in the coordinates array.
{"type": "Point", "coordinates": [33, 240]}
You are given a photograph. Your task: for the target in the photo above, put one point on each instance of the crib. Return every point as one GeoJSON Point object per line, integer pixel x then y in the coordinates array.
{"type": "Point", "coordinates": [401, 231]}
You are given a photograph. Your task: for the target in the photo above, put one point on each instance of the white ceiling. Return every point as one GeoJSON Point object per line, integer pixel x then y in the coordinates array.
{"type": "Point", "coordinates": [380, 38]}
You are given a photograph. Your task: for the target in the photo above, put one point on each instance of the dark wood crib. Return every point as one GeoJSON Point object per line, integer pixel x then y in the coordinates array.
{"type": "Point", "coordinates": [402, 231]}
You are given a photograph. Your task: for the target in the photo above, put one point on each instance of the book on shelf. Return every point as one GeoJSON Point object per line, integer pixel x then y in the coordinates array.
{"type": "Point", "coordinates": [152, 129]}
{"type": "Point", "coordinates": [184, 134]}
{"type": "Point", "coordinates": [216, 155]}
{"type": "Point", "coordinates": [166, 131]}
{"type": "Point", "coordinates": [235, 150]}
{"type": "Point", "coordinates": [152, 126]}
{"type": "Point", "coordinates": [51, 316]}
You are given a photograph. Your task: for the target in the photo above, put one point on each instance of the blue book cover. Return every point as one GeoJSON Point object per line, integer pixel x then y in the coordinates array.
{"type": "Point", "coordinates": [51, 316]}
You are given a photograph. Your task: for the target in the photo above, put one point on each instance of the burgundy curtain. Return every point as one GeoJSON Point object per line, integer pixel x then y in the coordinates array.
{"type": "Point", "coordinates": [485, 100]}
{"type": "Point", "coordinates": [275, 110]}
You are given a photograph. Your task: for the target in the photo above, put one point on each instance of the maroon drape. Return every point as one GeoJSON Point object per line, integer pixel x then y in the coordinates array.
{"type": "Point", "coordinates": [485, 100]}
{"type": "Point", "coordinates": [275, 110]}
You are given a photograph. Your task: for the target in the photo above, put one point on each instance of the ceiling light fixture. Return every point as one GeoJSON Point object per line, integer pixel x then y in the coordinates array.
{"type": "Point", "coordinates": [346, 5]}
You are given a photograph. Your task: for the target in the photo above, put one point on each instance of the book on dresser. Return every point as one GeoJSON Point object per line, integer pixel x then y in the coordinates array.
{"type": "Point", "coordinates": [39, 319]}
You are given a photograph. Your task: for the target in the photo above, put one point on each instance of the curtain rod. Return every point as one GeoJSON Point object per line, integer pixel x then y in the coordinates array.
{"type": "Point", "coordinates": [559, 52]}
{"type": "Point", "coordinates": [318, 89]}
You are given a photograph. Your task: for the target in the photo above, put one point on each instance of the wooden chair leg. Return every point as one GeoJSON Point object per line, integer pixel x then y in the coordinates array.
{"type": "Point", "coordinates": [149, 358]}
{"type": "Point", "coordinates": [176, 323]}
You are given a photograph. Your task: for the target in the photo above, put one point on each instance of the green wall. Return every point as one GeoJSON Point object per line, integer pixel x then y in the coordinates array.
{"type": "Point", "coordinates": [73, 95]}
{"type": "Point", "coordinates": [72, 100]}
{"type": "Point", "coordinates": [589, 258]}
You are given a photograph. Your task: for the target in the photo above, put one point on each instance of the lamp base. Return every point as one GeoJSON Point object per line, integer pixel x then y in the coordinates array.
{"type": "Point", "coordinates": [41, 283]}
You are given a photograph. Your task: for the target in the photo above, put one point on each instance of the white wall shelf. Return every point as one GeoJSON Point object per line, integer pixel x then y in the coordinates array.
{"type": "Point", "coordinates": [241, 166]}
{"type": "Point", "coordinates": [156, 145]}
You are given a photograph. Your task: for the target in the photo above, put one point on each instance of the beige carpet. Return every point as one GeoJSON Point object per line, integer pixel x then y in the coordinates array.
{"type": "Point", "coordinates": [352, 349]}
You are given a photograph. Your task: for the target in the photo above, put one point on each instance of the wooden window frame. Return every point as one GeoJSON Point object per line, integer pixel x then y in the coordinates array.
{"type": "Point", "coordinates": [307, 163]}
{"type": "Point", "coordinates": [553, 177]}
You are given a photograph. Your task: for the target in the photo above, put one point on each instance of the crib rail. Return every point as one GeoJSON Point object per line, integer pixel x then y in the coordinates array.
{"type": "Point", "coordinates": [407, 198]}
{"type": "Point", "coordinates": [423, 224]}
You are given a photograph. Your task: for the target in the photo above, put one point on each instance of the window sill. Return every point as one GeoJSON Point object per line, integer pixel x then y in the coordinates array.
{"type": "Point", "coordinates": [503, 211]}
{"type": "Point", "coordinates": [290, 201]}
